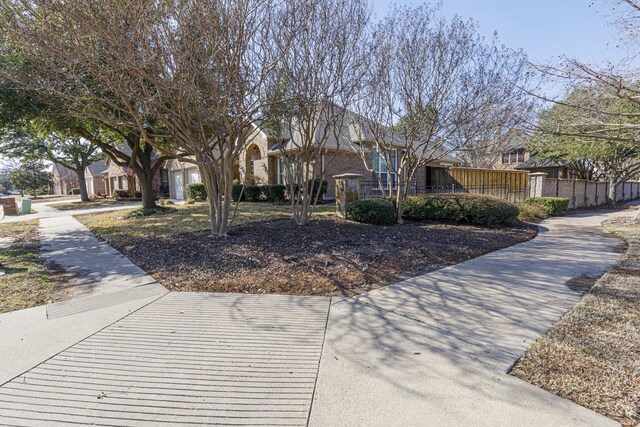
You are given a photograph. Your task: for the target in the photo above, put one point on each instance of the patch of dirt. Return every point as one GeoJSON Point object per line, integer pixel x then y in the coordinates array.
{"type": "Point", "coordinates": [329, 256]}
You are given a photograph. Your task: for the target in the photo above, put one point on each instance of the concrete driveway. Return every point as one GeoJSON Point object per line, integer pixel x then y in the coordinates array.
{"type": "Point", "coordinates": [432, 350]}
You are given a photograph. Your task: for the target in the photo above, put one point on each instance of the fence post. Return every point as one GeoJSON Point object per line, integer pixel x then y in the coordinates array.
{"type": "Point", "coordinates": [536, 184]}
{"type": "Point", "coordinates": [453, 188]}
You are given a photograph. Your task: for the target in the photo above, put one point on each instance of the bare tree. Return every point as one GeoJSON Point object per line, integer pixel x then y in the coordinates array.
{"type": "Point", "coordinates": [434, 87]}
{"type": "Point", "coordinates": [316, 80]}
{"type": "Point", "coordinates": [183, 78]}
{"type": "Point", "coordinates": [199, 66]}
{"type": "Point", "coordinates": [58, 53]}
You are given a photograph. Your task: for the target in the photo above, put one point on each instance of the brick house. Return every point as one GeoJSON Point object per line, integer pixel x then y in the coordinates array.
{"type": "Point", "coordinates": [262, 160]}
{"type": "Point", "coordinates": [117, 177]}
{"type": "Point", "coordinates": [178, 175]}
{"type": "Point", "coordinates": [95, 178]}
{"type": "Point", "coordinates": [344, 153]}
{"type": "Point", "coordinates": [64, 180]}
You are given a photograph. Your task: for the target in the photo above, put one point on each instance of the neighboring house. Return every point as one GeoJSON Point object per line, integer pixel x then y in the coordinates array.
{"type": "Point", "coordinates": [512, 159]}
{"type": "Point", "coordinates": [121, 178]}
{"type": "Point", "coordinates": [96, 181]}
{"type": "Point", "coordinates": [178, 176]}
{"type": "Point", "coordinates": [521, 159]}
{"type": "Point", "coordinates": [64, 180]}
{"type": "Point", "coordinates": [551, 168]}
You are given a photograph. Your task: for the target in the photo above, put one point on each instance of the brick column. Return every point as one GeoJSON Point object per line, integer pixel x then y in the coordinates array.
{"type": "Point", "coordinates": [536, 184]}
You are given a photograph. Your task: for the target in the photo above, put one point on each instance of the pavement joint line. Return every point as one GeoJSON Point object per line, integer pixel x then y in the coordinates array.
{"type": "Point", "coordinates": [315, 382]}
{"type": "Point", "coordinates": [80, 341]}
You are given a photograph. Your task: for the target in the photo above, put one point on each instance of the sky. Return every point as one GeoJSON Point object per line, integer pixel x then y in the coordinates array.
{"type": "Point", "coordinates": [544, 29]}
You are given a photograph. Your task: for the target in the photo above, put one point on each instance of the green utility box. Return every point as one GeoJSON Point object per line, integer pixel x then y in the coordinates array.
{"type": "Point", "coordinates": [26, 206]}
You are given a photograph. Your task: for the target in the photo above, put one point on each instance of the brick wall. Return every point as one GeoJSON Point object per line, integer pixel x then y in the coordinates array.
{"type": "Point", "coordinates": [339, 163]}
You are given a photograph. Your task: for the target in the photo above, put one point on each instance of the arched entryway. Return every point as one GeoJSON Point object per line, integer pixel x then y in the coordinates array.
{"type": "Point", "coordinates": [254, 161]}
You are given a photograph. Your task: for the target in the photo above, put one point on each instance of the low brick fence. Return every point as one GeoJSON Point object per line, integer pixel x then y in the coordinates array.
{"type": "Point", "coordinates": [581, 193]}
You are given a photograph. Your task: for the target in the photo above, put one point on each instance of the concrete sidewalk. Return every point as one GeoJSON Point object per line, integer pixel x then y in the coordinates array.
{"type": "Point", "coordinates": [101, 268]}
{"type": "Point", "coordinates": [109, 287]}
{"type": "Point", "coordinates": [432, 350]}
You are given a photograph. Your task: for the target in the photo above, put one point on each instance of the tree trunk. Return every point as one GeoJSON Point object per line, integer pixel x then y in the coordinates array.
{"type": "Point", "coordinates": [399, 202]}
{"type": "Point", "coordinates": [82, 183]}
{"type": "Point", "coordinates": [612, 194]}
{"type": "Point", "coordinates": [146, 190]}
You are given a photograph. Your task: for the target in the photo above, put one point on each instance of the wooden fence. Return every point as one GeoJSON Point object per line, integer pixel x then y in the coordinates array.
{"type": "Point", "coordinates": [514, 183]}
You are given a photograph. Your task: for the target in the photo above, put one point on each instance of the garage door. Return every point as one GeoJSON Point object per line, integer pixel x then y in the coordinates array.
{"type": "Point", "coordinates": [178, 185]}
{"type": "Point", "coordinates": [193, 175]}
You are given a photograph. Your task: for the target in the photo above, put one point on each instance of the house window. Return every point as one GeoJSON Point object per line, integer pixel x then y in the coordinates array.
{"type": "Point", "coordinates": [386, 171]}
{"type": "Point", "coordinates": [164, 181]}
{"type": "Point", "coordinates": [513, 156]}
{"type": "Point", "coordinates": [281, 171]}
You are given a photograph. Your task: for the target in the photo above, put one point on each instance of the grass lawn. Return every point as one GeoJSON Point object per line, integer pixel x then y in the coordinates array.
{"type": "Point", "coordinates": [183, 219]}
{"type": "Point", "coordinates": [48, 198]}
{"type": "Point", "coordinates": [592, 355]}
{"type": "Point", "coordinates": [94, 203]}
{"type": "Point", "coordinates": [27, 281]}
{"type": "Point", "coordinates": [266, 252]}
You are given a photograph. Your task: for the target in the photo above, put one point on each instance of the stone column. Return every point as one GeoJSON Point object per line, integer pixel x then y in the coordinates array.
{"type": "Point", "coordinates": [347, 190]}
{"type": "Point", "coordinates": [536, 183]}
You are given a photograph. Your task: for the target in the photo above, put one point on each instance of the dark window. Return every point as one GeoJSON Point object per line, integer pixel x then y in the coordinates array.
{"type": "Point", "coordinates": [514, 156]}
{"type": "Point", "coordinates": [164, 181]}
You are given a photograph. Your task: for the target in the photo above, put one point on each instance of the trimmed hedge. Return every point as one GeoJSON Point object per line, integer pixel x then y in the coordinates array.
{"type": "Point", "coordinates": [317, 187]}
{"type": "Point", "coordinates": [197, 191]}
{"type": "Point", "coordinates": [236, 192]}
{"type": "Point", "coordinates": [372, 211]}
{"type": "Point", "coordinates": [533, 212]}
{"type": "Point", "coordinates": [473, 208]}
{"type": "Point", "coordinates": [252, 193]}
{"type": "Point", "coordinates": [275, 193]}
{"type": "Point", "coordinates": [557, 206]}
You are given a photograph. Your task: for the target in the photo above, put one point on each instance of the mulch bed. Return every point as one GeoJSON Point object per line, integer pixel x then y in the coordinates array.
{"type": "Point", "coordinates": [329, 256]}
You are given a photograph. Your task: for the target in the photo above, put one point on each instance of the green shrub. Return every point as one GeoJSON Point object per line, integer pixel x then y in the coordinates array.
{"type": "Point", "coordinates": [557, 205]}
{"type": "Point", "coordinates": [190, 202]}
{"type": "Point", "coordinates": [473, 208]}
{"type": "Point", "coordinates": [318, 186]}
{"type": "Point", "coordinates": [236, 192]}
{"type": "Point", "coordinates": [252, 193]}
{"type": "Point", "coordinates": [274, 192]}
{"type": "Point", "coordinates": [533, 212]}
{"type": "Point", "coordinates": [196, 191]}
{"type": "Point", "coordinates": [140, 212]}
{"type": "Point", "coordinates": [120, 193]}
{"type": "Point", "coordinates": [74, 191]}
{"type": "Point", "coordinates": [372, 211]}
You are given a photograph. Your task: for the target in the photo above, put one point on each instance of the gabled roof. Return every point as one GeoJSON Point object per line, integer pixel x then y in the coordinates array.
{"type": "Point", "coordinates": [62, 172]}
{"type": "Point", "coordinates": [353, 131]}
{"type": "Point", "coordinates": [535, 162]}
{"type": "Point", "coordinates": [97, 168]}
